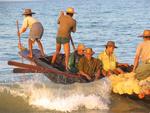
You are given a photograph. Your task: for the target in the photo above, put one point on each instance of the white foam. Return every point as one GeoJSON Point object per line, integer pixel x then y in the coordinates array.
{"type": "Point", "coordinates": [45, 94]}
{"type": "Point", "coordinates": [67, 98]}
{"type": "Point", "coordinates": [73, 102]}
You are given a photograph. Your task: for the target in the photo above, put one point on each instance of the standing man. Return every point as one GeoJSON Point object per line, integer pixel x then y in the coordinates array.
{"type": "Point", "coordinates": [143, 53]}
{"type": "Point", "coordinates": [36, 31]}
{"type": "Point", "coordinates": [66, 25]}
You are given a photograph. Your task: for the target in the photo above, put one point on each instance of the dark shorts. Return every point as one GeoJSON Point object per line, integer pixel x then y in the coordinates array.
{"type": "Point", "coordinates": [36, 31]}
{"type": "Point", "coordinates": [142, 71]}
{"type": "Point", "coordinates": [60, 40]}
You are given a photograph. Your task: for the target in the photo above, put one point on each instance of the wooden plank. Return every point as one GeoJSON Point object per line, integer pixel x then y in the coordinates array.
{"type": "Point", "coordinates": [42, 69]}
{"type": "Point", "coordinates": [22, 70]}
{"type": "Point", "coordinates": [22, 65]}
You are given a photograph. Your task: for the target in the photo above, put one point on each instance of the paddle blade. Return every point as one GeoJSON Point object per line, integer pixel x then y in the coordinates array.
{"type": "Point", "coordinates": [22, 48]}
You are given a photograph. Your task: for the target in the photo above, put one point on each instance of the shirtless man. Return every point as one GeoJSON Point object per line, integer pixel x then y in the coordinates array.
{"type": "Point", "coordinates": [142, 70]}
{"type": "Point", "coordinates": [66, 25]}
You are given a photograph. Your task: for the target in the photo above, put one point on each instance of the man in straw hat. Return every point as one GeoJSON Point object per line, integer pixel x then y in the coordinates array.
{"type": "Point", "coordinates": [143, 54]}
{"type": "Point", "coordinates": [109, 60]}
{"type": "Point", "coordinates": [75, 58]}
{"type": "Point", "coordinates": [36, 31]}
{"type": "Point", "coordinates": [89, 67]}
{"type": "Point", "coordinates": [66, 25]}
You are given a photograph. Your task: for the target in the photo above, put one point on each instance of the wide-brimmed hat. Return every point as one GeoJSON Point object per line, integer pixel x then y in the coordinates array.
{"type": "Point", "coordinates": [146, 33]}
{"type": "Point", "coordinates": [70, 10]}
{"type": "Point", "coordinates": [89, 51]}
{"type": "Point", "coordinates": [81, 46]}
{"type": "Point", "coordinates": [27, 12]}
{"type": "Point", "coordinates": [111, 43]}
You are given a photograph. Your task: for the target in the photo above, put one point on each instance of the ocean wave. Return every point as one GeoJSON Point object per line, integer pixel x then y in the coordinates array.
{"type": "Point", "coordinates": [44, 94]}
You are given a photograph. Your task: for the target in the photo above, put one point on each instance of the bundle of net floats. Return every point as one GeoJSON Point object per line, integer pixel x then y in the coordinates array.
{"type": "Point", "coordinates": [128, 84]}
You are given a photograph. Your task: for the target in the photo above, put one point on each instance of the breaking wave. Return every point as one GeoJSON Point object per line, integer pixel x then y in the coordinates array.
{"type": "Point", "coordinates": [37, 91]}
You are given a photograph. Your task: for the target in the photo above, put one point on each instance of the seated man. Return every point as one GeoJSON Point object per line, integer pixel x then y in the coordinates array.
{"type": "Point", "coordinates": [143, 54]}
{"type": "Point", "coordinates": [109, 61]}
{"type": "Point", "coordinates": [89, 67]}
{"type": "Point", "coordinates": [75, 57]}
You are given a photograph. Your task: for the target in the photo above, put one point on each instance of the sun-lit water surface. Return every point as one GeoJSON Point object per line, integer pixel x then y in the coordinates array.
{"type": "Point", "coordinates": [97, 22]}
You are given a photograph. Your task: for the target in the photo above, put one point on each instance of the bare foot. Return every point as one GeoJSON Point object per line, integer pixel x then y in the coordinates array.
{"type": "Point", "coordinates": [67, 68]}
{"type": "Point", "coordinates": [42, 55]}
{"type": "Point", "coordinates": [29, 56]}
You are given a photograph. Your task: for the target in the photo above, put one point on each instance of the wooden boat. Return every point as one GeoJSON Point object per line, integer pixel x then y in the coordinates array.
{"type": "Point", "coordinates": [55, 73]}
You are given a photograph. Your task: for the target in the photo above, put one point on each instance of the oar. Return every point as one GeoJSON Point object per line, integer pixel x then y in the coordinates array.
{"type": "Point", "coordinates": [40, 69]}
{"type": "Point", "coordinates": [19, 44]}
{"type": "Point", "coordinates": [23, 70]}
{"type": "Point", "coordinates": [19, 39]}
{"type": "Point", "coordinates": [72, 43]}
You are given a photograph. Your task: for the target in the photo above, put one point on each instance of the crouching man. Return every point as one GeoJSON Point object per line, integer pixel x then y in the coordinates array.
{"type": "Point", "coordinates": [109, 60]}
{"type": "Point", "coordinates": [89, 67]}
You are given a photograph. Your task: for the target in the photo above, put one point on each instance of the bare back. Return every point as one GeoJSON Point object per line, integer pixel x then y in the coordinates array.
{"type": "Point", "coordinates": [66, 25]}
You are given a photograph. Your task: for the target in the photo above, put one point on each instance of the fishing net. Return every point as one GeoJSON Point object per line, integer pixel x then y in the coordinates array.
{"type": "Point", "coordinates": [128, 84]}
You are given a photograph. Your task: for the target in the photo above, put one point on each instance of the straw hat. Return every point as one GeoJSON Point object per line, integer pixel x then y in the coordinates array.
{"type": "Point", "coordinates": [81, 46]}
{"type": "Point", "coordinates": [111, 43]}
{"type": "Point", "coordinates": [70, 10]}
{"type": "Point", "coordinates": [27, 12]}
{"type": "Point", "coordinates": [89, 51]}
{"type": "Point", "coordinates": [146, 33]}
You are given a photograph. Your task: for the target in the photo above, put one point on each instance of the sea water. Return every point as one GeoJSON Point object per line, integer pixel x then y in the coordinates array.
{"type": "Point", "coordinates": [98, 21]}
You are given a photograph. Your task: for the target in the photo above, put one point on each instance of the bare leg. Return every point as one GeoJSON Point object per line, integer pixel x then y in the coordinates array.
{"type": "Point", "coordinates": [109, 72]}
{"type": "Point", "coordinates": [118, 71]}
{"type": "Point", "coordinates": [30, 44]}
{"type": "Point", "coordinates": [58, 48]}
{"type": "Point", "coordinates": [40, 47]}
{"type": "Point", "coordinates": [67, 53]}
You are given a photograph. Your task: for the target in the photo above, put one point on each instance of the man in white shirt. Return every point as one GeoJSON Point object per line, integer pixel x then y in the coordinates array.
{"type": "Point", "coordinates": [36, 31]}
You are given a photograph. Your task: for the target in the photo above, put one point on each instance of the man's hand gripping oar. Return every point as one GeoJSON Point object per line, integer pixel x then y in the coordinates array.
{"type": "Point", "coordinates": [19, 43]}
{"type": "Point", "coordinates": [72, 43]}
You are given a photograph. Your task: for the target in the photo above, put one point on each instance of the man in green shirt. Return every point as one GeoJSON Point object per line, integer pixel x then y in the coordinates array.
{"type": "Point", "coordinates": [75, 58]}
{"type": "Point", "coordinates": [90, 67]}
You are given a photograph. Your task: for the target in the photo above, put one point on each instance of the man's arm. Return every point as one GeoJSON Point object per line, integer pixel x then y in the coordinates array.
{"type": "Point", "coordinates": [74, 27]}
{"type": "Point", "coordinates": [122, 64]}
{"type": "Point", "coordinates": [60, 15]}
{"type": "Point", "coordinates": [23, 28]}
{"type": "Point", "coordinates": [80, 67]}
{"type": "Point", "coordinates": [137, 57]}
{"type": "Point", "coordinates": [136, 62]}
{"type": "Point", "coordinates": [84, 74]}
{"type": "Point", "coordinates": [97, 75]}
{"type": "Point", "coordinates": [99, 69]}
